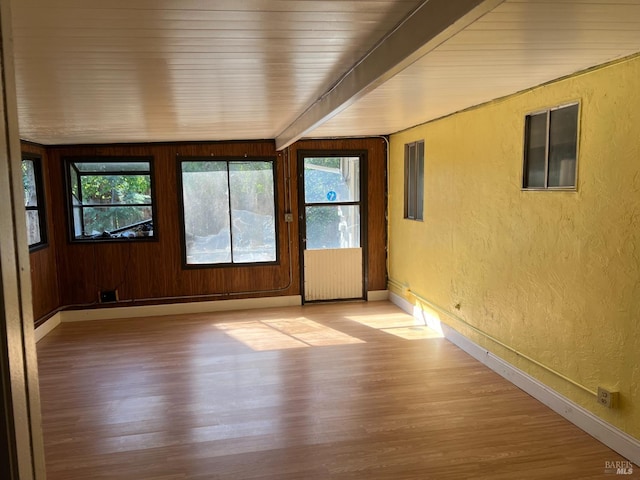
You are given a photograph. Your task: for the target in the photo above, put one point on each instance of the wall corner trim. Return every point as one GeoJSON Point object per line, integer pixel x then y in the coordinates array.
{"type": "Point", "coordinates": [609, 435]}
{"type": "Point", "coordinates": [378, 295]}
{"type": "Point", "coordinates": [48, 326]}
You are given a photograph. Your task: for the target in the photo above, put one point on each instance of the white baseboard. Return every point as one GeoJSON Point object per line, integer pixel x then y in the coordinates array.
{"type": "Point", "coordinates": [179, 308]}
{"type": "Point", "coordinates": [378, 295]}
{"type": "Point", "coordinates": [614, 438]}
{"type": "Point", "coordinates": [47, 326]}
{"type": "Point", "coordinates": [159, 310]}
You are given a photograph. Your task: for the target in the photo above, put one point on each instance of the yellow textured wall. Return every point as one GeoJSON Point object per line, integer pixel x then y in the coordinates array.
{"type": "Point", "coordinates": [554, 275]}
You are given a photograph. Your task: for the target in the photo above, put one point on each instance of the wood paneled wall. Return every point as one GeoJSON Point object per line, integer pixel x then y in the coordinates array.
{"type": "Point", "coordinates": [44, 279]}
{"type": "Point", "coordinates": [152, 272]}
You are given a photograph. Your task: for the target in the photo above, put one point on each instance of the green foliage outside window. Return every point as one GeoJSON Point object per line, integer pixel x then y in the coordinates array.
{"type": "Point", "coordinates": [31, 178]}
{"type": "Point", "coordinates": [108, 202]}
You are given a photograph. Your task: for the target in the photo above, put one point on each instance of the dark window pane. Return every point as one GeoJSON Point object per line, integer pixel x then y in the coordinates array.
{"type": "Point", "coordinates": [252, 212]}
{"type": "Point", "coordinates": [333, 227]}
{"type": "Point", "coordinates": [563, 134]}
{"type": "Point", "coordinates": [407, 161]}
{"type": "Point", "coordinates": [116, 189]}
{"type": "Point", "coordinates": [29, 182]}
{"type": "Point", "coordinates": [77, 222]}
{"type": "Point", "coordinates": [98, 220]}
{"type": "Point", "coordinates": [75, 184]}
{"type": "Point", "coordinates": [535, 151]}
{"type": "Point", "coordinates": [205, 197]}
{"type": "Point", "coordinates": [204, 166]}
{"type": "Point", "coordinates": [414, 180]}
{"type": "Point", "coordinates": [411, 181]}
{"type": "Point", "coordinates": [32, 188]}
{"type": "Point", "coordinates": [229, 212]}
{"type": "Point", "coordinates": [108, 205]}
{"type": "Point", "coordinates": [106, 167]}
{"type": "Point", "coordinates": [419, 196]}
{"type": "Point", "coordinates": [33, 227]}
{"type": "Point", "coordinates": [328, 180]}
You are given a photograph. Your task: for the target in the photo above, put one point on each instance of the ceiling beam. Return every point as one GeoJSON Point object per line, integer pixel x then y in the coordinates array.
{"type": "Point", "coordinates": [429, 25]}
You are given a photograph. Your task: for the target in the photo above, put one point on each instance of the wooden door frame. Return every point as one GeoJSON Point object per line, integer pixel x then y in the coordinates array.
{"type": "Point", "coordinates": [364, 205]}
{"type": "Point", "coordinates": [22, 453]}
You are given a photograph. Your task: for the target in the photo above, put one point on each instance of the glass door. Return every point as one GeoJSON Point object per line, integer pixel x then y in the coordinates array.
{"type": "Point", "coordinates": [332, 227]}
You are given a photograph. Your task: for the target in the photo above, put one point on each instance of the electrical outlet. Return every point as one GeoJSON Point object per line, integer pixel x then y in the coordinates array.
{"type": "Point", "coordinates": [607, 398]}
{"type": "Point", "coordinates": [108, 296]}
{"type": "Point", "coordinates": [288, 217]}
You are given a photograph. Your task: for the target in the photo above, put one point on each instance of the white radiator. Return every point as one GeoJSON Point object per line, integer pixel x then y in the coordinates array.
{"type": "Point", "coordinates": [333, 274]}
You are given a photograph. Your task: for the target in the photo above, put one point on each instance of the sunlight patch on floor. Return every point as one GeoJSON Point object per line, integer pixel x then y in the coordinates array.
{"type": "Point", "coordinates": [385, 320]}
{"type": "Point", "coordinates": [311, 332]}
{"type": "Point", "coordinates": [398, 324]}
{"type": "Point", "coordinates": [258, 336]}
{"type": "Point", "coordinates": [418, 332]}
{"type": "Point", "coordinates": [283, 334]}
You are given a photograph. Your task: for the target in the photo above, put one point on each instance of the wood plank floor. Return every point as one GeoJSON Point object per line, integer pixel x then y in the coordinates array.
{"type": "Point", "coordinates": [340, 391]}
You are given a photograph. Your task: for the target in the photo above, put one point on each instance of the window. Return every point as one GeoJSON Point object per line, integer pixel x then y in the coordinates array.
{"type": "Point", "coordinates": [34, 201]}
{"type": "Point", "coordinates": [332, 202]}
{"type": "Point", "coordinates": [228, 211]}
{"type": "Point", "coordinates": [551, 141]}
{"type": "Point", "coordinates": [414, 180]}
{"type": "Point", "coordinates": [110, 198]}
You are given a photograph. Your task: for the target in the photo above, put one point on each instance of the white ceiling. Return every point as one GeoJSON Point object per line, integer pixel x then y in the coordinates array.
{"type": "Point", "coordinates": [97, 71]}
